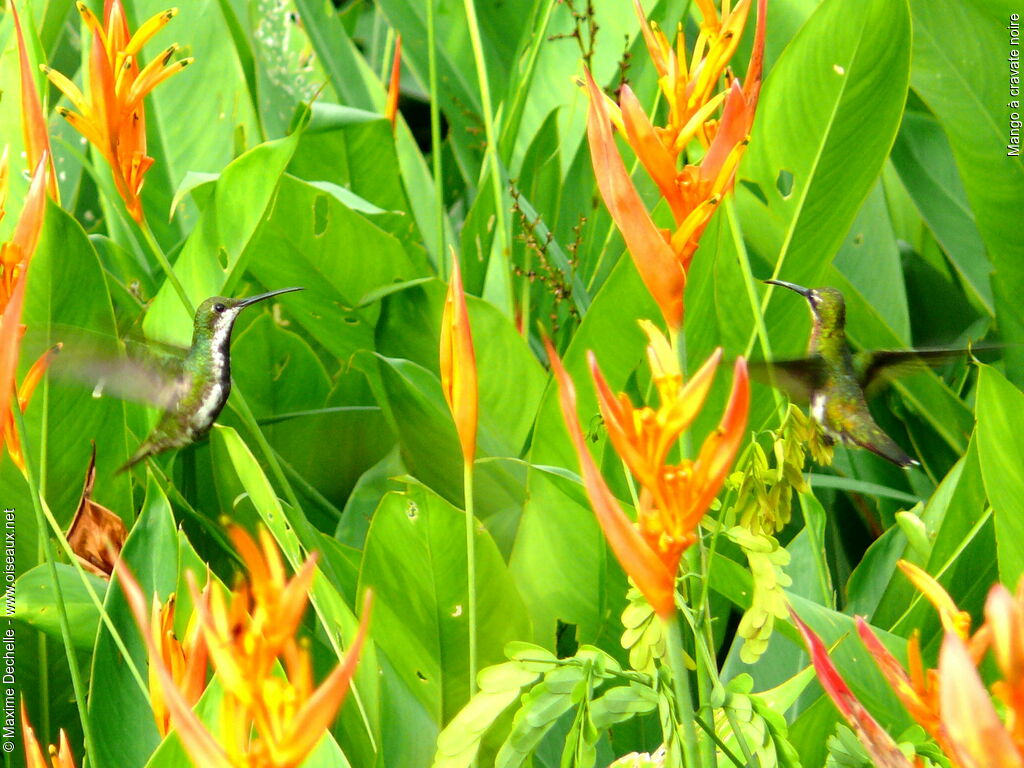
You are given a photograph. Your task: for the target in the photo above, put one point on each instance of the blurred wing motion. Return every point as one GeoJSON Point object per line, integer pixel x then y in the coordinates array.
{"type": "Point", "coordinates": [876, 370]}
{"type": "Point", "coordinates": [798, 378]}
{"type": "Point", "coordinates": [142, 372]}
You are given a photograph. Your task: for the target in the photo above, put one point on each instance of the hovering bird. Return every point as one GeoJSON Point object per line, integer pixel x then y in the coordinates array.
{"type": "Point", "coordinates": [190, 387]}
{"type": "Point", "coordinates": [201, 388]}
{"type": "Point", "coordinates": [837, 382]}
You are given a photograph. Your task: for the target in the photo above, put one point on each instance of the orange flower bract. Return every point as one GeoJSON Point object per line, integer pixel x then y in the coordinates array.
{"type": "Point", "coordinates": [458, 364]}
{"type": "Point", "coordinates": [693, 192]}
{"type": "Point", "coordinates": [267, 720]}
{"type": "Point", "coordinates": [950, 702]}
{"type": "Point", "coordinates": [111, 114]}
{"type": "Point", "coordinates": [33, 120]}
{"type": "Point", "coordinates": [34, 758]}
{"type": "Point", "coordinates": [15, 256]}
{"type": "Point", "coordinates": [394, 84]}
{"type": "Point", "coordinates": [879, 744]}
{"type": "Point", "coordinates": [674, 497]}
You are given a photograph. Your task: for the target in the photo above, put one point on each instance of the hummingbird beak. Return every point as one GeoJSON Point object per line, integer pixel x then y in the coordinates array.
{"type": "Point", "coordinates": [260, 297]}
{"type": "Point", "coordinates": [792, 286]}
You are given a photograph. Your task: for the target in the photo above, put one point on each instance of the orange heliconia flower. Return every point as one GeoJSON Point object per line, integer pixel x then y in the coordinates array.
{"type": "Point", "coordinates": [951, 702]}
{"type": "Point", "coordinates": [33, 121]}
{"type": "Point", "coordinates": [391, 103]}
{"type": "Point", "coordinates": [59, 758]}
{"type": "Point", "coordinates": [267, 720]}
{"type": "Point", "coordinates": [458, 364]}
{"type": "Point", "coordinates": [15, 256]}
{"type": "Point", "coordinates": [112, 115]}
{"type": "Point", "coordinates": [1004, 617]}
{"type": "Point", "coordinates": [674, 497]}
{"type": "Point", "coordinates": [695, 191]}
{"type": "Point", "coordinates": [186, 661]}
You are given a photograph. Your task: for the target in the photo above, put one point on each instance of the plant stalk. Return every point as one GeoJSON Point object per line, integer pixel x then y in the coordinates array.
{"type": "Point", "coordinates": [154, 246]}
{"type": "Point", "coordinates": [435, 139]}
{"type": "Point", "coordinates": [500, 227]}
{"type": "Point", "coordinates": [684, 701]}
{"type": "Point", "coordinates": [467, 474]}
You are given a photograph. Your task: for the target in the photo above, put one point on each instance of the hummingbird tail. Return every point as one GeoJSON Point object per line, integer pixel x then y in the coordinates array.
{"type": "Point", "coordinates": [884, 446]}
{"type": "Point", "coordinates": [143, 451]}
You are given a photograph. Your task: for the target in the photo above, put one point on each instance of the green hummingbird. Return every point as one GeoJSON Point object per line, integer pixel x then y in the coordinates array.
{"type": "Point", "coordinates": [190, 386]}
{"type": "Point", "coordinates": [837, 383]}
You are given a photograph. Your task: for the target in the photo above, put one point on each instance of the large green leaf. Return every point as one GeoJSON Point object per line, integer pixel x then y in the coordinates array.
{"type": "Point", "coordinates": [358, 86]}
{"type": "Point", "coordinates": [35, 603]}
{"type": "Point", "coordinates": [66, 296]}
{"type": "Point", "coordinates": [826, 121]}
{"type": "Point", "coordinates": [925, 163]}
{"type": "Point", "coordinates": [960, 68]}
{"type": "Point", "coordinates": [415, 561]}
{"type": "Point", "coordinates": [313, 240]}
{"type": "Point", "coordinates": [562, 565]}
{"type": "Point", "coordinates": [1000, 446]}
{"type": "Point", "coordinates": [210, 263]}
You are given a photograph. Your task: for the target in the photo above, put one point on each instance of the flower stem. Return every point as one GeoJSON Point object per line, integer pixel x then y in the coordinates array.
{"type": "Point", "coordinates": [500, 236]}
{"type": "Point", "coordinates": [154, 246]}
{"type": "Point", "coordinates": [467, 474]}
{"type": "Point", "coordinates": [684, 701]}
{"type": "Point", "coordinates": [435, 138]}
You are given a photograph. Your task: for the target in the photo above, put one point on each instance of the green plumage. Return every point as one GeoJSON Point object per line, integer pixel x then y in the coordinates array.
{"type": "Point", "coordinates": [195, 395]}
{"type": "Point", "coordinates": [837, 383]}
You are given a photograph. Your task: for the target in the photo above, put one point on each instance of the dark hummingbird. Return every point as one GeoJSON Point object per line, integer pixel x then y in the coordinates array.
{"type": "Point", "coordinates": [837, 382]}
{"type": "Point", "coordinates": [191, 390]}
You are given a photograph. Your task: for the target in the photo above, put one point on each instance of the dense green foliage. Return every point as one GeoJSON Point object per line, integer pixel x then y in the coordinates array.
{"type": "Point", "coordinates": [878, 164]}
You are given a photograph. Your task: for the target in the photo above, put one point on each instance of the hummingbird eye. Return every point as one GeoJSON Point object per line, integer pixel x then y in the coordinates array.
{"type": "Point", "coordinates": [219, 307]}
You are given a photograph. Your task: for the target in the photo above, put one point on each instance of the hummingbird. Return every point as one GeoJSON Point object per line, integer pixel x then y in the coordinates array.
{"type": "Point", "coordinates": [837, 383]}
{"type": "Point", "coordinates": [191, 390]}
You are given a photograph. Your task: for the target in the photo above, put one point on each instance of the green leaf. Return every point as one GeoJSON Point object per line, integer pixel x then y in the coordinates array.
{"type": "Point", "coordinates": [834, 101]}
{"type": "Point", "coordinates": [66, 296]}
{"type": "Point", "coordinates": [1000, 446]}
{"type": "Point", "coordinates": [947, 35]}
{"type": "Point", "coordinates": [211, 263]}
{"type": "Point", "coordinates": [415, 562]}
{"type": "Point", "coordinates": [309, 240]}
{"type": "Point", "coordinates": [924, 160]}
{"type": "Point", "coordinates": [35, 603]}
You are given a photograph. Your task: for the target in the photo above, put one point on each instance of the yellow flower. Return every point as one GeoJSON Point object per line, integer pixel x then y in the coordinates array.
{"type": "Point", "coordinates": [267, 720]}
{"type": "Point", "coordinates": [186, 661]}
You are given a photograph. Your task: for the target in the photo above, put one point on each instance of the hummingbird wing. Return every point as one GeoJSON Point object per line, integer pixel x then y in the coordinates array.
{"type": "Point", "coordinates": [141, 372]}
{"type": "Point", "coordinates": [876, 370]}
{"type": "Point", "coordinates": [798, 378]}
